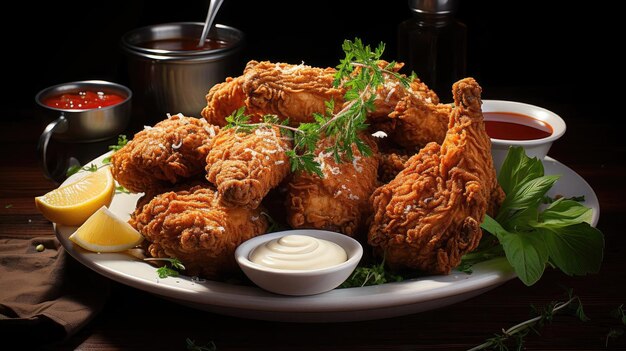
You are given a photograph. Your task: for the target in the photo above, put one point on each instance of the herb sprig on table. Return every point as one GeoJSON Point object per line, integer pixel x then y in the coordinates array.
{"type": "Point", "coordinates": [543, 316]}
{"type": "Point", "coordinates": [360, 75]}
{"type": "Point", "coordinates": [532, 237]}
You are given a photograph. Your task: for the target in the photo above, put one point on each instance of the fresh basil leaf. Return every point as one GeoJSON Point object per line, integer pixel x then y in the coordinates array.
{"type": "Point", "coordinates": [562, 213]}
{"type": "Point", "coordinates": [518, 169]}
{"type": "Point", "coordinates": [492, 226]}
{"type": "Point", "coordinates": [529, 194]}
{"type": "Point", "coordinates": [575, 249]}
{"type": "Point", "coordinates": [527, 254]}
{"type": "Point", "coordinates": [521, 220]}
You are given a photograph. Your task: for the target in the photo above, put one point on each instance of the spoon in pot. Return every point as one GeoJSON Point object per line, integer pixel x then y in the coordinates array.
{"type": "Point", "coordinates": [214, 6]}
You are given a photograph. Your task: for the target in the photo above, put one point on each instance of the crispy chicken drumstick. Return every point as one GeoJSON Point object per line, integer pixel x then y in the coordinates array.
{"type": "Point", "coordinates": [430, 214]}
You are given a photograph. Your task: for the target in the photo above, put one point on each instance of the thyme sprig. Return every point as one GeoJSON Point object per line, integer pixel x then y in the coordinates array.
{"type": "Point", "coordinates": [360, 74]}
{"type": "Point", "coordinates": [544, 316]}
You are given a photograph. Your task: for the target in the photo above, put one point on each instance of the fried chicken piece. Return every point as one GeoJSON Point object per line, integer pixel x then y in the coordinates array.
{"type": "Point", "coordinates": [339, 201]}
{"type": "Point", "coordinates": [245, 166]}
{"type": "Point", "coordinates": [289, 91]}
{"type": "Point", "coordinates": [173, 150]}
{"type": "Point", "coordinates": [429, 216]}
{"type": "Point", "coordinates": [411, 115]}
{"type": "Point", "coordinates": [191, 225]}
{"type": "Point", "coordinates": [281, 89]}
{"type": "Point", "coordinates": [223, 99]}
{"type": "Point", "coordinates": [419, 122]}
{"type": "Point", "coordinates": [390, 164]}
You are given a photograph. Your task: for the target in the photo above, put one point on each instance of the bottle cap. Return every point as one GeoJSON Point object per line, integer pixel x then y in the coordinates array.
{"type": "Point", "coordinates": [433, 7]}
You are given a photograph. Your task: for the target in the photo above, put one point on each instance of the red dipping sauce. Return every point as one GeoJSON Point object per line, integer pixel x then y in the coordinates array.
{"type": "Point", "coordinates": [83, 100]}
{"type": "Point", "coordinates": [515, 126]}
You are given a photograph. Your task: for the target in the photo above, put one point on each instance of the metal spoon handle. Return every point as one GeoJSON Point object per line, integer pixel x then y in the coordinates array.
{"type": "Point", "coordinates": [214, 6]}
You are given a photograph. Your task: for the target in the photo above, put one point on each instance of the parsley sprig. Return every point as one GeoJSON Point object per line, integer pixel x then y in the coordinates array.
{"type": "Point", "coordinates": [121, 141]}
{"type": "Point", "coordinates": [360, 74]}
{"type": "Point", "coordinates": [374, 274]}
{"type": "Point", "coordinates": [165, 271]}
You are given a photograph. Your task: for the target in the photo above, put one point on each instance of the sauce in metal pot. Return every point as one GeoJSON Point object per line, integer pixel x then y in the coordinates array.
{"type": "Point", "coordinates": [515, 126]}
{"type": "Point", "coordinates": [183, 44]}
{"type": "Point", "coordinates": [298, 252]}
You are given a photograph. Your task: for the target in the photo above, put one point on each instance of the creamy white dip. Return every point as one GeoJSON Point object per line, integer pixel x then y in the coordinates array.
{"type": "Point", "coordinates": [298, 252]}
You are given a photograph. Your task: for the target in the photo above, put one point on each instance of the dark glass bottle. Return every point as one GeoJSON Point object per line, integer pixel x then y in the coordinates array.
{"type": "Point", "coordinates": [433, 44]}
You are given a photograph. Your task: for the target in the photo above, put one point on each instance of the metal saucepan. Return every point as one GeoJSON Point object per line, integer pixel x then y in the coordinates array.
{"type": "Point", "coordinates": [173, 81]}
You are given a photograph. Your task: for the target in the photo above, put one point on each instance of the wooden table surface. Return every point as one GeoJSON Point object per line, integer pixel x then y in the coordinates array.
{"type": "Point", "coordinates": [134, 319]}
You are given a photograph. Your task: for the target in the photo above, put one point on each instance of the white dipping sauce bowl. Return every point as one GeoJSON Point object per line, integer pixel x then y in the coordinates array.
{"type": "Point", "coordinates": [534, 148]}
{"type": "Point", "coordinates": [299, 282]}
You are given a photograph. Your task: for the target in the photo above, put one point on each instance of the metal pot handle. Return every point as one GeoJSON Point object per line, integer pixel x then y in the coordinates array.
{"type": "Point", "coordinates": [59, 125]}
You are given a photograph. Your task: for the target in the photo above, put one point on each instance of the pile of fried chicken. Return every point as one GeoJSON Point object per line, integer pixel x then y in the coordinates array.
{"type": "Point", "coordinates": [418, 201]}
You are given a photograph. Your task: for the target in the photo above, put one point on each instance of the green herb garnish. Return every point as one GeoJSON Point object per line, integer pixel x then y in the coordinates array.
{"type": "Point", "coordinates": [77, 168]}
{"type": "Point", "coordinates": [121, 189]}
{"type": "Point", "coordinates": [375, 274]}
{"type": "Point", "coordinates": [191, 346]}
{"type": "Point", "coordinates": [532, 237]}
{"type": "Point", "coordinates": [360, 75]}
{"type": "Point", "coordinates": [172, 270]}
{"type": "Point", "coordinates": [544, 316]}
{"type": "Point", "coordinates": [620, 314]}
{"type": "Point", "coordinates": [549, 200]}
{"type": "Point", "coordinates": [121, 142]}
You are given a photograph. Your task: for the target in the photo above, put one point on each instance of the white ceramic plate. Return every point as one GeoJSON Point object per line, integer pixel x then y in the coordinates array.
{"type": "Point", "coordinates": [372, 302]}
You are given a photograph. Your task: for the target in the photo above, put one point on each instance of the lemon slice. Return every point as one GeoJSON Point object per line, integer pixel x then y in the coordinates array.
{"type": "Point", "coordinates": [105, 232]}
{"type": "Point", "coordinates": [72, 204]}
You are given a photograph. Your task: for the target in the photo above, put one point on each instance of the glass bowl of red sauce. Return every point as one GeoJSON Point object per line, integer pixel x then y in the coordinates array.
{"type": "Point", "coordinates": [510, 123]}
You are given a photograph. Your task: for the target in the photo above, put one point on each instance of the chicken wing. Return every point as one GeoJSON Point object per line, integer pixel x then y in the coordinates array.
{"type": "Point", "coordinates": [412, 115]}
{"type": "Point", "coordinates": [223, 99]}
{"type": "Point", "coordinates": [339, 201]}
{"type": "Point", "coordinates": [245, 166]}
{"type": "Point", "coordinates": [430, 214]}
{"type": "Point", "coordinates": [281, 89]}
{"type": "Point", "coordinates": [173, 150]}
{"type": "Point", "coordinates": [191, 225]}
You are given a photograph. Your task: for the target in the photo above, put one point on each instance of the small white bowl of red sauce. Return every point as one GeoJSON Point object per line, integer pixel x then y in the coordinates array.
{"type": "Point", "coordinates": [510, 123]}
{"type": "Point", "coordinates": [299, 262]}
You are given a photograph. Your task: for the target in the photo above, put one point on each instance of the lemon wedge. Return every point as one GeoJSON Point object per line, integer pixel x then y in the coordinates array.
{"type": "Point", "coordinates": [105, 232]}
{"type": "Point", "coordinates": [72, 204]}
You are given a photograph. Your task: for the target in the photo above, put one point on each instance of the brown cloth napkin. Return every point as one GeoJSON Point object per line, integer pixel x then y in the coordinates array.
{"type": "Point", "coordinates": [45, 296]}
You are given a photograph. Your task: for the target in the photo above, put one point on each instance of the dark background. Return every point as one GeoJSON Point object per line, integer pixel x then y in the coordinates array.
{"type": "Point", "coordinates": [548, 53]}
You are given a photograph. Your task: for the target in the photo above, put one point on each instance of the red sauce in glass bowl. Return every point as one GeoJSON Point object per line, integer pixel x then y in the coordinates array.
{"type": "Point", "coordinates": [83, 100]}
{"type": "Point", "coordinates": [515, 126]}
